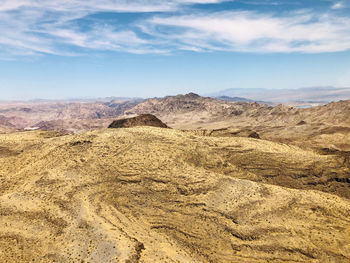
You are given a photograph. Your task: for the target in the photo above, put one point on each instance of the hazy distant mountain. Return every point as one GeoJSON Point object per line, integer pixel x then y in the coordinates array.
{"type": "Point", "coordinates": [72, 100]}
{"type": "Point", "coordinates": [236, 92]}
{"type": "Point", "coordinates": [312, 94]}
{"type": "Point", "coordinates": [62, 115]}
{"type": "Point", "coordinates": [234, 99]}
{"type": "Point", "coordinates": [240, 99]}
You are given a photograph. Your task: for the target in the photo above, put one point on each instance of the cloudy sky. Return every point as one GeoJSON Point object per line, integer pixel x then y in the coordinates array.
{"type": "Point", "coordinates": [97, 48]}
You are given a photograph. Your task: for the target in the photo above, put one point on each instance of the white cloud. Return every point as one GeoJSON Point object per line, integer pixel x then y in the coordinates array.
{"type": "Point", "coordinates": [101, 5]}
{"type": "Point", "coordinates": [34, 27]}
{"type": "Point", "coordinates": [30, 27]}
{"type": "Point", "coordinates": [338, 5]}
{"type": "Point", "coordinates": [103, 38]}
{"type": "Point", "coordinates": [252, 32]}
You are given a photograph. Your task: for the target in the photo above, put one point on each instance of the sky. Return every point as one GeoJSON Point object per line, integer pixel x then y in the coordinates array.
{"type": "Point", "coordinates": [58, 49]}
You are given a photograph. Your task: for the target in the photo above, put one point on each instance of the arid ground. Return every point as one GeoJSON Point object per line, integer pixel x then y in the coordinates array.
{"type": "Point", "coordinates": [231, 182]}
{"type": "Point", "coordinates": [150, 194]}
{"type": "Point", "coordinates": [321, 127]}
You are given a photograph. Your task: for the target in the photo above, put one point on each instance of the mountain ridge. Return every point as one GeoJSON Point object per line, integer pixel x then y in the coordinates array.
{"type": "Point", "coordinates": [322, 125]}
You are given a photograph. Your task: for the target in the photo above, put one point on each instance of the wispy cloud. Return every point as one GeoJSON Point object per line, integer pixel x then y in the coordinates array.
{"type": "Point", "coordinates": [254, 32]}
{"type": "Point", "coordinates": [338, 5]}
{"type": "Point", "coordinates": [33, 27]}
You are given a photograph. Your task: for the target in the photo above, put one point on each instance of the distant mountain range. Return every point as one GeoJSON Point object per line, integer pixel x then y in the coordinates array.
{"type": "Point", "coordinates": [234, 99]}
{"type": "Point", "coordinates": [327, 126]}
{"type": "Point", "coordinates": [240, 99]}
{"type": "Point", "coordinates": [308, 95]}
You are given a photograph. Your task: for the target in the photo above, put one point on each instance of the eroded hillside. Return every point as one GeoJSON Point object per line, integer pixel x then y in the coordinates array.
{"type": "Point", "coordinates": [319, 127]}
{"type": "Point", "coordinates": [162, 195]}
{"type": "Point", "coordinates": [66, 116]}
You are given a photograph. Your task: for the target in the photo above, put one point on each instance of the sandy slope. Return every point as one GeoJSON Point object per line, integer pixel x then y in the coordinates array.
{"type": "Point", "coordinates": [161, 195]}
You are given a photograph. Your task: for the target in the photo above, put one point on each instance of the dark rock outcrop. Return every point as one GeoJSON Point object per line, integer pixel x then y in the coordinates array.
{"type": "Point", "coordinates": [141, 120]}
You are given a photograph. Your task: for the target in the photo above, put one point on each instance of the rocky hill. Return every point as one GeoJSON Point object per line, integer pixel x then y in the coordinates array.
{"type": "Point", "coordinates": [191, 110]}
{"type": "Point", "coordinates": [161, 195]}
{"type": "Point", "coordinates": [319, 127]}
{"type": "Point", "coordinates": [141, 120]}
{"type": "Point", "coordinates": [325, 126]}
{"type": "Point", "coordinates": [188, 108]}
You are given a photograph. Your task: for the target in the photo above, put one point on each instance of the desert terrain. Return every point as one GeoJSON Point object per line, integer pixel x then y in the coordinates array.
{"type": "Point", "coordinates": [211, 181]}
{"type": "Point", "coordinates": [326, 126]}
{"type": "Point", "coordinates": [320, 127]}
{"type": "Point", "coordinates": [178, 131]}
{"type": "Point", "coordinates": [149, 194]}
{"type": "Point", "coordinates": [65, 116]}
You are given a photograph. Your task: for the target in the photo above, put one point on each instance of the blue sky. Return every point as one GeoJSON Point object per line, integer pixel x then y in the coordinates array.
{"type": "Point", "coordinates": [144, 48]}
